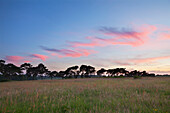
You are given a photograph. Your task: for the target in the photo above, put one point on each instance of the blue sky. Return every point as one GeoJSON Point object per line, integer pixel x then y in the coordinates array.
{"type": "Point", "coordinates": [43, 31]}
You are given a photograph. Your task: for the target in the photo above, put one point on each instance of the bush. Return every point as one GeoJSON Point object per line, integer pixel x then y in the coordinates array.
{"type": "Point", "coordinates": [5, 80]}
{"type": "Point", "coordinates": [137, 77]}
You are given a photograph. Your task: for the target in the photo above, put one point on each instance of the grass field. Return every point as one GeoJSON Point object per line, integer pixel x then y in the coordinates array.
{"type": "Point", "coordinates": [99, 95]}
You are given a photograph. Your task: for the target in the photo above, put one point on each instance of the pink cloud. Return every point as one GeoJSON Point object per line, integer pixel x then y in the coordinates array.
{"type": "Point", "coordinates": [121, 63]}
{"type": "Point", "coordinates": [151, 59]}
{"type": "Point", "coordinates": [164, 36]}
{"type": "Point", "coordinates": [164, 33]}
{"type": "Point", "coordinates": [70, 53]}
{"type": "Point", "coordinates": [81, 44]}
{"type": "Point", "coordinates": [77, 52]}
{"type": "Point", "coordinates": [119, 37]}
{"type": "Point", "coordinates": [17, 59]}
{"type": "Point", "coordinates": [160, 71]}
{"type": "Point", "coordinates": [130, 37]}
{"type": "Point", "coordinates": [93, 42]}
{"type": "Point", "coordinates": [86, 52]}
{"type": "Point", "coordinates": [134, 61]}
{"type": "Point", "coordinates": [42, 57]}
{"type": "Point", "coordinates": [14, 59]}
{"type": "Point", "coordinates": [27, 61]}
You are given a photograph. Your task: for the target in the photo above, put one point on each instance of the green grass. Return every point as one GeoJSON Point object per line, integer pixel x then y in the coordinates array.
{"type": "Point", "coordinates": [96, 95]}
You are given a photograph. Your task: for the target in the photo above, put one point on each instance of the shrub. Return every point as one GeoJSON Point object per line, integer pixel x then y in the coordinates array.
{"type": "Point", "coordinates": [136, 77]}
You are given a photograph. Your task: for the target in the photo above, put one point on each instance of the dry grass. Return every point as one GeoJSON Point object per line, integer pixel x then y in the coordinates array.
{"type": "Point", "coordinates": [100, 95]}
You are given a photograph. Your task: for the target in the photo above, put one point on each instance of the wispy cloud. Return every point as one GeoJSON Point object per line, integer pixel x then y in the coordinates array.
{"type": "Point", "coordinates": [160, 71]}
{"type": "Point", "coordinates": [132, 61]}
{"type": "Point", "coordinates": [164, 35]}
{"type": "Point", "coordinates": [138, 61]}
{"type": "Point", "coordinates": [120, 33]}
{"type": "Point", "coordinates": [68, 52]}
{"type": "Point", "coordinates": [123, 36]}
{"type": "Point", "coordinates": [144, 60]}
{"type": "Point", "coordinates": [135, 37]}
{"type": "Point", "coordinates": [16, 59]}
{"type": "Point", "coordinates": [117, 62]}
{"type": "Point", "coordinates": [38, 56]}
{"type": "Point", "coordinates": [21, 59]}
{"type": "Point", "coordinates": [93, 42]}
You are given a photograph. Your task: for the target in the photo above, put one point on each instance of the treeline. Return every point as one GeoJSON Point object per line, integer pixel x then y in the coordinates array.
{"type": "Point", "coordinates": [27, 71]}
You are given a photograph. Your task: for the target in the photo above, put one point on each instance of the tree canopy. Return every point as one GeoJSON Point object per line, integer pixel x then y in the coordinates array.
{"type": "Point", "coordinates": [26, 69]}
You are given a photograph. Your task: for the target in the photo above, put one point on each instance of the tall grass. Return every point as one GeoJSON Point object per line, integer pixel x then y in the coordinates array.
{"type": "Point", "coordinates": [99, 95]}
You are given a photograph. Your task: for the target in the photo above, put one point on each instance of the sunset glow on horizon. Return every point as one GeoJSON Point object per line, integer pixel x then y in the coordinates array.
{"type": "Point", "coordinates": [105, 33]}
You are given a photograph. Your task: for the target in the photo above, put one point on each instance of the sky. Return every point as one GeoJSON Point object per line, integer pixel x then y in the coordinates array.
{"type": "Point", "coordinates": [133, 34]}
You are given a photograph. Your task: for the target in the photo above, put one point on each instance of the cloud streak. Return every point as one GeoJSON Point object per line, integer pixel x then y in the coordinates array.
{"type": "Point", "coordinates": [20, 59]}
{"type": "Point", "coordinates": [16, 59]}
{"type": "Point", "coordinates": [160, 71]}
{"type": "Point", "coordinates": [137, 61]}
{"type": "Point", "coordinates": [93, 42]}
{"type": "Point", "coordinates": [151, 59]}
{"type": "Point", "coordinates": [164, 36]}
{"type": "Point", "coordinates": [124, 36]}
{"type": "Point", "coordinates": [68, 52]}
{"type": "Point", "coordinates": [38, 56]}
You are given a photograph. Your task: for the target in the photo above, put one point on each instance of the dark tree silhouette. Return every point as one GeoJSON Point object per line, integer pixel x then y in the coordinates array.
{"type": "Point", "coordinates": [101, 71]}
{"type": "Point", "coordinates": [122, 71]}
{"type": "Point", "coordinates": [62, 74]}
{"type": "Point", "coordinates": [117, 72]}
{"type": "Point", "coordinates": [86, 70]}
{"type": "Point", "coordinates": [53, 74]}
{"type": "Point", "coordinates": [33, 71]}
{"type": "Point", "coordinates": [2, 67]}
{"type": "Point", "coordinates": [71, 72]}
{"type": "Point", "coordinates": [42, 69]}
{"type": "Point", "coordinates": [83, 69]}
{"type": "Point", "coordinates": [25, 67]}
{"type": "Point", "coordinates": [90, 70]}
{"type": "Point", "coordinates": [12, 69]}
{"type": "Point", "coordinates": [111, 72]}
{"type": "Point", "coordinates": [144, 73]}
{"type": "Point", "coordinates": [135, 73]}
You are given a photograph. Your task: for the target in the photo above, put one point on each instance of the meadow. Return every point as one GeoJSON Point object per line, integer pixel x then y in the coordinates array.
{"type": "Point", "coordinates": [88, 95]}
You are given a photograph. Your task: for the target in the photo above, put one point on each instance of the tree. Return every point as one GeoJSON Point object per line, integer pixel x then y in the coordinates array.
{"type": "Point", "coordinates": [117, 71]}
{"type": "Point", "coordinates": [90, 70]}
{"type": "Point", "coordinates": [33, 71]}
{"type": "Point", "coordinates": [86, 70]}
{"type": "Point", "coordinates": [134, 73]}
{"type": "Point", "coordinates": [111, 72]}
{"type": "Point", "coordinates": [71, 71]}
{"type": "Point", "coordinates": [62, 74]}
{"type": "Point", "coordinates": [53, 74]}
{"type": "Point", "coordinates": [12, 69]}
{"type": "Point", "coordinates": [122, 71]}
{"type": "Point", "coordinates": [83, 69]}
{"type": "Point", "coordinates": [101, 71]}
{"type": "Point", "coordinates": [42, 69]}
{"type": "Point", "coordinates": [2, 67]}
{"type": "Point", "coordinates": [144, 73]}
{"type": "Point", "coordinates": [25, 67]}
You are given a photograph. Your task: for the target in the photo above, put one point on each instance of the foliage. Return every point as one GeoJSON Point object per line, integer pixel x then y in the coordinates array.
{"type": "Point", "coordinates": [137, 77]}
{"type": "Point", "coordinates": [9, 71]}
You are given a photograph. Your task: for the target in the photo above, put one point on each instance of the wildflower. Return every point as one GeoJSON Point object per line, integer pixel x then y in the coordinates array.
{"type": "Point", "coordinates": [155, 109]}
{"type": "Point", "coordinates": [45, 97]}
